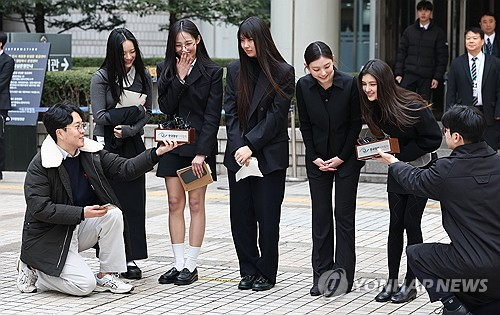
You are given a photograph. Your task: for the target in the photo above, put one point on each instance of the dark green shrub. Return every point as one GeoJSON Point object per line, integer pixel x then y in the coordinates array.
{"type": "Point", "coordinates": [72, 86]}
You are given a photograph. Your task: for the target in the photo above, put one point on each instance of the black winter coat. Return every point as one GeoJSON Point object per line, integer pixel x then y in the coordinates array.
{"type": "Point", "coordinates": [422, 53]}
{"type": "Point", "coordinates": [466, 184]}
{"type": "Point", "coordinates": [50, 215]}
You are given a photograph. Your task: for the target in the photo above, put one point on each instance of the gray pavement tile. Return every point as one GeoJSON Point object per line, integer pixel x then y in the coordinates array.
{"type": "Point", "coordinates": [216, 292]}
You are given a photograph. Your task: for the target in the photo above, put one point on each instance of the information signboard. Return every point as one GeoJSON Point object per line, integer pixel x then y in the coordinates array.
{"type": "Point", "coordinates": [27, 81]}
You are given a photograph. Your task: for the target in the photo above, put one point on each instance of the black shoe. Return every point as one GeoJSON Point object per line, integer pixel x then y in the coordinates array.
{"type": "Point", "coordinates": [388, 291]}
{"type": "Point", "coordinates": [314, 290]}
{"type": "Point", "coordinates": [169, 276]}
{"type": "Point", "coordinates": [185, 277]}
{"type": "Point", "coordinates": [405, 294]}
{"type": "Point", "coordinates": [246, 283]}
{"type": "Point", "coordinates": [461, 310]}
{"type": "Point", "coordinates": [133, 272]}
{"type": "Point", "coordinates": [1, 175]}
{"type": "Point", "coordinates": [262, 284]}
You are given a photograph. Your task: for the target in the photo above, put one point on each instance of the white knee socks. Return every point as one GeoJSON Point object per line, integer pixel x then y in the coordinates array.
{"type": "Point", "coordinates": [191, 258]}
{"type": "Point", "coordinates": [178, 250]}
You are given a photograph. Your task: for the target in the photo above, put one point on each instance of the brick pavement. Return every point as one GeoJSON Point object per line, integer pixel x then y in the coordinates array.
{"type": "Point", "coordinates": [216, 292]}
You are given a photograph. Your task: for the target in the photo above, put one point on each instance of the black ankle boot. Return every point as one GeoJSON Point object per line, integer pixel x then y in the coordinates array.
{"type": "Point", "coordinates": [388, 291]}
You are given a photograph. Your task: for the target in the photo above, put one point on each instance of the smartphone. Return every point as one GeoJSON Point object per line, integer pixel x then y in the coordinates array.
{"type": "Point", "coordinates": [189, 176]}
{"type": "Point", "coordinates": [107, 206]}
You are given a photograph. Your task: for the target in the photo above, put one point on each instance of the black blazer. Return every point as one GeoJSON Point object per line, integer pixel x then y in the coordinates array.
{"type": "Point", "coordinates": [199, 100]}
{"type": "Point", "coordinates": [423, 137]}
{"type": "Point", "coordinates": [496, 49]}
{"type": "Point", "coordinates": [6, 70]}
{"type": "Point", "coordinates": [459, 87]}
{"type": "Point", "coordinates": [339, 122]}
{"type": "Point", "coordinates": [268, 139]}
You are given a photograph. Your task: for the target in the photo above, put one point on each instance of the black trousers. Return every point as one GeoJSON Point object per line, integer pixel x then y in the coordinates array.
{"type": "Point", "coordinates": [3, 113]}
{"type": "Point", "coordinates": [255, 211]}
{"type": "Point", "coordinates": [472, 301]}
{"type": "Point", "coordinates": [323, 214]}
{"type": "Point", "coordinates": [492, 135]}
{"type": "Point", "coordinates": [406, 214]}
{"type": "Point", "coordinates": [418, 85]}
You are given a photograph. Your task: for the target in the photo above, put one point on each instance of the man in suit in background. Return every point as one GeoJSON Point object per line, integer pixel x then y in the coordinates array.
{"type": "Point", "coordinates": [422, 54]}
{"type": "Point", "coordinates": [473, 79]}
{"type": "Point", "coordinates": [488, 24]}
{"type": "Point", "coordinates": [6, 70]}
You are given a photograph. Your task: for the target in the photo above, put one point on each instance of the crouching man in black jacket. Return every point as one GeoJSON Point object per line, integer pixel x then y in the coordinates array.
{"type": "Point", "coordinates": [463, 275]}
{"type": "Point", "coordinates": [67, 195]}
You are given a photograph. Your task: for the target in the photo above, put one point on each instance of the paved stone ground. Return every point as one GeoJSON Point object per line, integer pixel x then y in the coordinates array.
{"type": "Point", "coordinates": [216, 292]}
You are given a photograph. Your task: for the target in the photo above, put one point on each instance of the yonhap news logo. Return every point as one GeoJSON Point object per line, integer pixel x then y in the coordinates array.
{"type": "Point", "coordinates": [333, 282]}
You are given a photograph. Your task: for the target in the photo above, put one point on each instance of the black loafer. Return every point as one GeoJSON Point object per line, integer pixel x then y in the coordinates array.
{"type": "Point", "coordinates": [262, 284]}
{"type": "Point", "coordinates": [185, 277]}
{"type": "Point", "coordinates": [246, 283]}
{"type": "Point", "coordinates": [314, 290]}
{"type": "Point", "coordinates": [169, 276]}
{"type": "Point", "coordinates": [405, 294]}
{"type": "Point", "coordinates": [133, 272]}
{"type": "Point", "coordinates": [388, 291]}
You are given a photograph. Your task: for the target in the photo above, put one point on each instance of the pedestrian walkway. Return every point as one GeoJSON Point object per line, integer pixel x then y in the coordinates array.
{"type": "Point", "coordinates": [216, 292]}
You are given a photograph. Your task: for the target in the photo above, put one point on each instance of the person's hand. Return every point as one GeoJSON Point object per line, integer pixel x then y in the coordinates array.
{"type": "Point", "coordinates": [319, 163]}
{"type": "Point", "coordinates": [399, 79]}
{"type": "Point", "coordinates": [332, 164]}
{"type": "Point", "coordinates": [183, 64]}
{"type": "Point", "coordinates": [94, 211]}
{"type": "Point", "coordinates": [385, 158]}
{"type": "Point", "coordinates": [143, 103]}
{"type": "Point", "coordinates": [117, 131]}
{"type": "Point", "coordinates": [167, 146]}
{"type": "Point", "coordinates": [434, 84]}
{"type": "Point", "coordinates": [243, 155]}
{"type": "Point", "coordinates": [197, 165]}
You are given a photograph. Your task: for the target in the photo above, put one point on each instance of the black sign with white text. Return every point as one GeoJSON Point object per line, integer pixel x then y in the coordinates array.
{"type": "Point", "coordinates": [27, 80]}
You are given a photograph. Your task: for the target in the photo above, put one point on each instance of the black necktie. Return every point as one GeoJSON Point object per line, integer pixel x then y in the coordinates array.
{"type": "Point", "coordinates": [489, 47]}
{"type": "Point", "coordinates": [473, 73]}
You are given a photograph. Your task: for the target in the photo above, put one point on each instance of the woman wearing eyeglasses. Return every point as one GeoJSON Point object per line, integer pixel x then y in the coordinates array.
{"type": "Point", "coordinates": [391, 110]}
{"type": "Point", "coordinates": [330, 122]}
{"type": "Point", "coordinates": [190, 87]}
{"type": "Point", "coordinates": [120, 128]}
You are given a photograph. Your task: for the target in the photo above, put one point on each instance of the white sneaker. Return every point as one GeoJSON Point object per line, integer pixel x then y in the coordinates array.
{"type": "Point", "coordinates": [26, 278]}
{"type": "Point", "coordinates": [111, 282]}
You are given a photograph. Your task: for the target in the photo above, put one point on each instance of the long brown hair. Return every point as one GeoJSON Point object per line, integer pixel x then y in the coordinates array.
{"type": "Point", "coordinates": [393, 100]}
{"type": "Point", "coordinates": [268, 57]}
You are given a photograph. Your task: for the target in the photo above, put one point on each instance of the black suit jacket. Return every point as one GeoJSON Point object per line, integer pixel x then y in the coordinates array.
{"type": "Point", "coordinates": [199, 101]}
{"type": "Point", "coordinates": [496, 49]}
{"type": "Point", "coordinates": [268, 138]}
{"type": "Point", "coordinates": [6, 70]}
{"type": "Point", "coordinates": [459, 87]}
{"type": "Point", "coordinates": [339, 122]}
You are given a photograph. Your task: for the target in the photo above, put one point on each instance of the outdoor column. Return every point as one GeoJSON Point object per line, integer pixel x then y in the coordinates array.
{"type": "Point", "coordinates": [296, 23]}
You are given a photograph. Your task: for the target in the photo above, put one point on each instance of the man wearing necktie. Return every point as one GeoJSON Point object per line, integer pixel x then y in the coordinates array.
{"type": "Point", "coordinates": [474, 80]}
{"type": "Point", "coordinates": [488, 24]}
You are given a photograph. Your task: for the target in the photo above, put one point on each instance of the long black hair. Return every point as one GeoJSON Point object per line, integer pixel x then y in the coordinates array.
{"type": "Point", "coordinates": [394, 101]}
{"type": "Point", "coordinates": [202, 56]}
{"type": "Point", "coordinates": [269, 59]}
{"type": "Point", "coordinates": [115, 65]}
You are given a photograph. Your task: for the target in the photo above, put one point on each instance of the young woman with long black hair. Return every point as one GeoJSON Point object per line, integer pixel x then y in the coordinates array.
{"type": "Point", "coordinates": [259, 88]}
{"type": "Point", "coordinates": [121, 129]}
{"type": "Point", "coordinates": [190, 87]}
